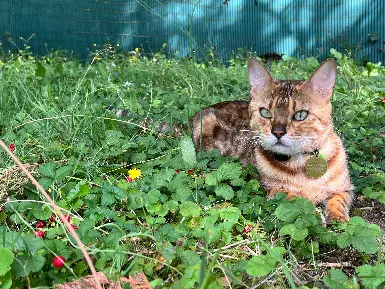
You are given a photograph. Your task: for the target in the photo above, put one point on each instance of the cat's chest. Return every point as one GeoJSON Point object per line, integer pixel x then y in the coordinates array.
{"type": "Point", "coordinates": [298, 160]}
{"type": "Point", "coordinates": [290, 176]}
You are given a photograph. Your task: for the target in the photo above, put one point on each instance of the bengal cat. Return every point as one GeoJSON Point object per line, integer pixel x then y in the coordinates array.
{"type": "Point", "coordinates": [286, 123]}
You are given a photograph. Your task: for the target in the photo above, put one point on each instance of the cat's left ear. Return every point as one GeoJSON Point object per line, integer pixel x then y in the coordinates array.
{"type": "Point", "coordinates": [322, 81]}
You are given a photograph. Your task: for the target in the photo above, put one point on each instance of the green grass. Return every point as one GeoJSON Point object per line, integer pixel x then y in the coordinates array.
{"type": "Point", "coordinates": [186, 221]}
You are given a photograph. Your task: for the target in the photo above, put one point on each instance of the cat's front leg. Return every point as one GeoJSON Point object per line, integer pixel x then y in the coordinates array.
{"type": "Point", "coordinates": [289, 194]}
{"type": "Point", "coordinates": [337, 207]}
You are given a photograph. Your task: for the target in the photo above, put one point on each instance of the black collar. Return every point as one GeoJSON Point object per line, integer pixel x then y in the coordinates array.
{"type": "Point", "coordinates": [285, 158]}
{"type": "Point", "coordinates": [280, 157]}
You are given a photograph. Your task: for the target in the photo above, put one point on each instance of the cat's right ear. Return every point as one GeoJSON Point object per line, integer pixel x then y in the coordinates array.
{"type": "Point", "coordinates": [259, 76]}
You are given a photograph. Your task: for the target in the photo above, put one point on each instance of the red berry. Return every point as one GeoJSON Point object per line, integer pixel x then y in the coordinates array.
{"type": "Point", "coordinates": [383, 99]}
{"type": "Point", "coordinates": [39, 234]}
{"type": "Point", "coordinates": [190, 172]}
{"type": "Point", "coordinates": [58, 261]}
{"type": "Point", "coordinates": [40, 224]}
{"type": "Point", "coordinates": [12, 147]}
{"type": "Point", "coordinates": [68, 218]}
{"type": "Point", "coordinates": [247, 229]}
{"type": "Point", "coordinates": [128, 179]}
{"type": "Point", "coordinates": [52, 218]}
{"type": "Point", "coordinates": [177, 171]}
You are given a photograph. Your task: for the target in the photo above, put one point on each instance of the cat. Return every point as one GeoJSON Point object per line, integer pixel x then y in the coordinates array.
{"type": "Point", "coordinates": [286, 124]}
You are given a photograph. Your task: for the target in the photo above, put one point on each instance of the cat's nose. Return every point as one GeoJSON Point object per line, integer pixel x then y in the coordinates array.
{"type": "Point", "coordinates": [278, 130]}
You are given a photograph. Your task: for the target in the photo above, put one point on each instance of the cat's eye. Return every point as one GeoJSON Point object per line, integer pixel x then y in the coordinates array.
{"type": "Point", "coordinates": [265, 112]}
{"type": "Point", "coordinates": [300, 115]}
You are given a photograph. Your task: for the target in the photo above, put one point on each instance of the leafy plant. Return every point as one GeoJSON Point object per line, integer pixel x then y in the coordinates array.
{"type": "Point", "coordinates": [260, 266]}
{"type": "Point", "coordinates": [361, 235]}
{"type": "Point", "coordinates": [6, 260]}
{"type": "Point", "coordinates": [142, 200]}
{"type": "Point", "coordinates": [372, 276]}
{"type": "Point", "coordinates": [337, 279]}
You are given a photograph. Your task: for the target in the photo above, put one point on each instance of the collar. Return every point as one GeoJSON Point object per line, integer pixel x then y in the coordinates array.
{"type": "Point", "coordinates": [285, 158]}
{"type": "Point", "coordinates": [280, 157]}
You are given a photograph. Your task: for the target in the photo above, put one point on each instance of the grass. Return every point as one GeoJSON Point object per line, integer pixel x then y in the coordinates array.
{"type": "Point", "coordinates": [187, 222]}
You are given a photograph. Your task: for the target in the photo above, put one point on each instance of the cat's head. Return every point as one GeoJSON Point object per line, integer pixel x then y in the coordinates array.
{"type": "Point", "coordinates": [291, 116]}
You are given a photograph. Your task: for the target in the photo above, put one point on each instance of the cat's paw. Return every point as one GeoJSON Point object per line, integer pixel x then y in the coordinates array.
{"type": "Point", "coordinates": [291, 195]}
{"type": "Point", "coordinates": [337, 207]}
{"type": "Point", "coordinates": [336, 216]}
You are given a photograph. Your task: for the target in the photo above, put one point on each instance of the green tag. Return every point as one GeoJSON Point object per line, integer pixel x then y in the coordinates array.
{"type": "Point", "coordinates": [316, 166]}
{"type": "Point", "coordinates": [323, 156]}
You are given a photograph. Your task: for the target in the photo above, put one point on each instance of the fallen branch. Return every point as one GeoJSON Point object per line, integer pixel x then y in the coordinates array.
{"type": "Point", "coordinates": [335, 265]}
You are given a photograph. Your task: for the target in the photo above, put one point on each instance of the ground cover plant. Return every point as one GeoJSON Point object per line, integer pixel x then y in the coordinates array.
{"type": "Point", "coordinates": [103, 138]}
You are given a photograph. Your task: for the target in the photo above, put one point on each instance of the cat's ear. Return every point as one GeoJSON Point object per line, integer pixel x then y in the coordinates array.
{"type": "Point", "coordinates": [258, 74]}
{"type": "Point", "coordinates": [321, 83]}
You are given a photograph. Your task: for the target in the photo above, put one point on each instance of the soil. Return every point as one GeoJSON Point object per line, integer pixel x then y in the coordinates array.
{"type": "Point", "coordinates": [373, 211]}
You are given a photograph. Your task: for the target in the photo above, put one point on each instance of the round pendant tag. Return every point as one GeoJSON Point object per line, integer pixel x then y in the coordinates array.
{"type": "Point", "coordinates": [316, 166]}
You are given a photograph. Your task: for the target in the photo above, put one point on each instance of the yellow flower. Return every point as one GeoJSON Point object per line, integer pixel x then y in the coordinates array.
{"type": "Point", "coordinates": [137, 49]}
{"type": "Point", "coordinates": [94, 44]}
{"type": "Point", "coordinates": [134, 173]}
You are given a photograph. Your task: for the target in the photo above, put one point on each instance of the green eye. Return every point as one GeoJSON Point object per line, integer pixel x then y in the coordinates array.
{"type": "Point", "coordinates": [300, 115]}
{"type": "Point", "coordinates": [265, 112]}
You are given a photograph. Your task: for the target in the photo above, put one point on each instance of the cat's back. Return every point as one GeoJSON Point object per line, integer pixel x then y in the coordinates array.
{"type": "Point", "coordinates": [223, 126]}
{"type": "Point", "coordinates": [233, 113]}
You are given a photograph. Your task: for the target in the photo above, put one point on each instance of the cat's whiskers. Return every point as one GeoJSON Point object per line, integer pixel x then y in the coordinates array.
{"type": "Point", "coordinates": [304, 137]}
{"type": "Point", "coordinates": [255, 139]}
{"type": "Point", "coordinates": [257, 136]}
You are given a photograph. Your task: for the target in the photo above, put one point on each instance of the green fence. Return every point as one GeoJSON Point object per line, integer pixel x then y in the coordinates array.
{"type": "Point", "coordinates": [296, 28]}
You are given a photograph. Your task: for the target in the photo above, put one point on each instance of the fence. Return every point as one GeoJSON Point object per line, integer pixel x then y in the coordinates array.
{"type": "Point", "coordinates": [296, 28]}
